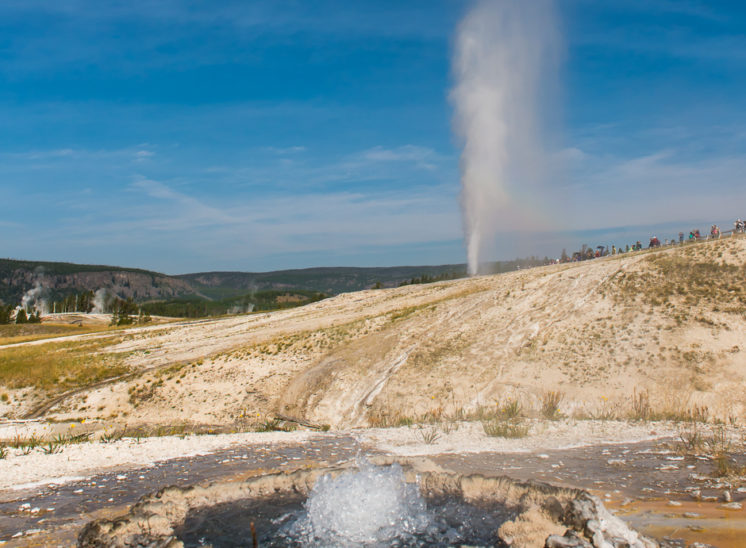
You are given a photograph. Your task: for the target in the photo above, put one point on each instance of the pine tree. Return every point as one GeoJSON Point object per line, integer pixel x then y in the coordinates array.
{"type": "Point", "coordinates": [5, 311]}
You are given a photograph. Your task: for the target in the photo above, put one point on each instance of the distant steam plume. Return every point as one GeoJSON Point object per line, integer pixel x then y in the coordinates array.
{"type": "Point", "coordinates": [34, 299]}
{"type": "Point", "coordinates": [99, 301]}
{"type": "Point", "coordinates": [505, 61]}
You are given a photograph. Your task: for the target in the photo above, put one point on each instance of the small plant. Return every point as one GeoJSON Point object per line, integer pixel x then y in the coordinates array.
{"type": "Point", "coordinates": [274, 425]}
{"type": "Point", "coordinates": [79, 438]}
{"type": "Point", "coordinates": [25, 444]}
{"type": "Point", "coordinates": [550, 405]}
{"type": "Point", "coordinates": [429, 436]}
{"type": "Point", "coordinates": [111, 437]}
{"type": "Point", "coordinates": [723, 465]}
{"type": "Point", "coordinates": [504, 429]}
{"type": "Point", "coordinates": [690, 440]}
{"type": "Point", "coordinates": [511, 409]}
{"type": "Point", "coordinates": [51, 448]}
{"type": "Point", "coordinates": [641, 409]}
{"type": "Point", "coordinates": [3, 452]}
{"type": "Point", "coordinates": [60, 439]}
{"type": "Point", "coordinates": [700, 413]}
{"type": "Point", "coordinates": [448, 426]}
{"type": "Point", "coordinates": [718, 441]}
{"type": "Point", "coordinates": [269, 425]}
{"type": "Point", "coordinates": [608, 412]}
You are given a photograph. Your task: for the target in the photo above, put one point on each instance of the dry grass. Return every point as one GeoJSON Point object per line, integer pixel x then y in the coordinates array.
{"type": "Point", "coordinates": [505, 428]}
{"type": "Point", "coordinates": [59, 366]}
{"type": "Point", "coordinates": [428, 436]}
{"type": "Point", "coordinates": [12, 334]}
{"type": "Point", "coordinates": [688, 278]}
{"type": "Point", "coordinates": [550, 405]}
{"type": "Point", "coordinates": [642, 409]}
{"type": "Point", "coordinates": [716, 444]}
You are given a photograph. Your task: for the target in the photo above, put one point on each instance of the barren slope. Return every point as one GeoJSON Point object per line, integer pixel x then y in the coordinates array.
{"type": "Point", "coordinates": [670, 323]}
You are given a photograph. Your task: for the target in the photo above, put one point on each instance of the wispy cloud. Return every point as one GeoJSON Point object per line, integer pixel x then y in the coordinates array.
{"type": "Point", "coordinates": [211, 230]}
{"type": "Point", "coordinates": [378, 165]}
{"type": "Point", "coordinates": [421, 157]}
{"type": "Point", "coordinates": [663, 186]}
{"type": "Point", "coordinates": [135, 153]}
{"type": "Point", "coordinates": [143, 155]}
{"type": "Point", "coordinates": [284, 151]}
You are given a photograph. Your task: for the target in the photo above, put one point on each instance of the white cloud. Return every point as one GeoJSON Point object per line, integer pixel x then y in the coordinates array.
{"type": "Point", "coordinates": [663, 186]}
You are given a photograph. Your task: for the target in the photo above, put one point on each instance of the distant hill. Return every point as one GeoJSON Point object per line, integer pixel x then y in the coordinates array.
{"type": "Point", "coordinates": [206, 293]}
{"type": "Point", "coordinates": [330, 280]}
{"type": "Point", "coordinates": [57, 280]}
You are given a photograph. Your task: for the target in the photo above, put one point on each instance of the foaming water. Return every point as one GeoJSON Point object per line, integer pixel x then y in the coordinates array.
{"type": "Point", "coordinates": [372, 506]}
{"type": "Point", "coordinates": [367, 507]}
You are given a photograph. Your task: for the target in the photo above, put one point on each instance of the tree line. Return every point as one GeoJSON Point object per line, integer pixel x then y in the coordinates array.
{"type": "Point", "coordinates": [7, 317]}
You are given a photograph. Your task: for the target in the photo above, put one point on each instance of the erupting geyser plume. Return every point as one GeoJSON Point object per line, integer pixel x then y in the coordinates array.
{"type": "Point", "coordinates": [504, 62]}
{"type": "Point", "coordinates": [99, 301]}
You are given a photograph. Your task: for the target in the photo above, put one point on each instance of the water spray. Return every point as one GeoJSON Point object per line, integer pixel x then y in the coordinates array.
{"type": "Point", "coordinates": [504, 52]}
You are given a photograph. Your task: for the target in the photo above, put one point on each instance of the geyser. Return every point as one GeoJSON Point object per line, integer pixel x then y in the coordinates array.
{"type": "Point", "coordinates": [365, 506]}
{"type": "Point", "coordinates": [370, 506]}
{"type": "Point", "coordinates": [504, 62]}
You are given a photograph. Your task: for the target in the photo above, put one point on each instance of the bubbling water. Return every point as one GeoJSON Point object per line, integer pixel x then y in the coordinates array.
{"type": "Point", "coordinates": [371, 506]}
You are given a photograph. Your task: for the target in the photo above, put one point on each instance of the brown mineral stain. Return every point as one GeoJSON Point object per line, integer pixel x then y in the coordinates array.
{"type": "Point", "coordinates": [714, 525]}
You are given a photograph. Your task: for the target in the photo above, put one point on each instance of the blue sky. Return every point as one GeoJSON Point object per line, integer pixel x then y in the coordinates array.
{"type": "Point", "coordinates": [249, 135]}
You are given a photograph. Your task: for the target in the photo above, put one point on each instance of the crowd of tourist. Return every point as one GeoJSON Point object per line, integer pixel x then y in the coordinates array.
{"type": "Point", "coordinates": [586, 252]}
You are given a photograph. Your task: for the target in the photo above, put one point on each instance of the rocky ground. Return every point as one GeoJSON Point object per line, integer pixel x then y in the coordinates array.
{"type": "Point", "coordinates": [639, 471]}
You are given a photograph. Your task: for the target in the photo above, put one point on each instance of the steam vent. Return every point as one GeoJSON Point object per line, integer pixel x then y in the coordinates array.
{"type": "Point", "coordinates": [388, 504]}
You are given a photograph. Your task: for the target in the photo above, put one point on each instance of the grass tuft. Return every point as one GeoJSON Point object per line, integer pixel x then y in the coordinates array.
{"type": "Point", "coordinates": [497, 428]}
{"type": "Point", "coordinates": [428, 436]}
{"type": "Point", "coordinates": [550, 405]}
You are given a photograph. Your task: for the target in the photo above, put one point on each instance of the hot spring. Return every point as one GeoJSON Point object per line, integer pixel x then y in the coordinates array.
{"type": "Point", "coordinates": [372, 506]}
{"type": "Point", "coordinates": [364, 506]}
